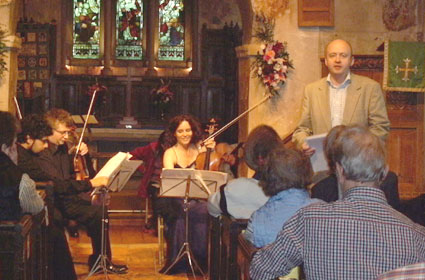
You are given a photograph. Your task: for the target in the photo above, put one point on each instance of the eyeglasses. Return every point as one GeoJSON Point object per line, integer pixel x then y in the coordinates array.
{"type": "Point", "coordinates": [66, 132]}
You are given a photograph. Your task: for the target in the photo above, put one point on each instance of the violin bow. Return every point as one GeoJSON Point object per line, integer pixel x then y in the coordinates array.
{"type": "Point", "coordinates": [85, 125]}
{"type": "Point", "coordinates": [215, 134]}
{"type": "Point", "coordinates": [18, 110]}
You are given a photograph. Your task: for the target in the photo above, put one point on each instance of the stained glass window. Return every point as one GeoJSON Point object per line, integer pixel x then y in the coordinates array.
{"type": "Point", "coordinates": [171, 30]}
{"type": "Point", "coordinates": [86, 35]}
{"type": "Point", "coordinates": [129, 29]}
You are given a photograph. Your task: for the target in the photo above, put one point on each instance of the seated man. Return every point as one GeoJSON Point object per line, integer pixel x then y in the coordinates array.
{"type": "Point", "coordinates": [17, 191]}
{"type": "Point", "coordinates": [55, 164]}
{"type": "Point", "coordinates": [242, 196]}
{"type": "Point", "coordinates": [286, 175]}
{"type": "Point", "coordinates": [327, 188]}
{"type": "Point", "coordinates": [358, 237]}
{"type": "Point", "coordinates": [32, 139]}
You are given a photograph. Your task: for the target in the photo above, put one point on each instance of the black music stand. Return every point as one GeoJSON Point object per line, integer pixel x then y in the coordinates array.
{"type": "Point", "coordinates": [119, 172]}
{"type": "Point", "coordinates": [189, 183]}
{"type": "Point", "coordinates": [101, 262]}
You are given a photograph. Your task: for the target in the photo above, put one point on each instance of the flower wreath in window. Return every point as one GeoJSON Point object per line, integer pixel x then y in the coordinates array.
{"type": "Point", "coordinates": [272, 63]}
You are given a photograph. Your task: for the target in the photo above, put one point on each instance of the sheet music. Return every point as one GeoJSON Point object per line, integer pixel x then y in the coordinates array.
{"type": "Point", "coordinates": [318, 159]}
{"type": "Point", "coordinates": [119, 169]}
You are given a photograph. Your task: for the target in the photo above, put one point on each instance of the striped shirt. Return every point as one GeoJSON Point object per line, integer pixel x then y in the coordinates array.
{"type": "Point", "coordinates": [358, 237]}
{"type": "Point", "coordinates": [29, 199]}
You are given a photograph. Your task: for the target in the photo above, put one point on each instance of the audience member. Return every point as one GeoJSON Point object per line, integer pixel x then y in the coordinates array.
{"type": "Point", "coordinates": [17, 191]}
{"type": "Point", "coordinates": [328, 189]}
{"type": "Point", "coordinates": [240, 197]}
{"type": "Point", "coordinates": [286, 175]}
{"type": "Point", "coordinates": [32, 140]}
{"type": "Point", "coordinates": [358, 237]}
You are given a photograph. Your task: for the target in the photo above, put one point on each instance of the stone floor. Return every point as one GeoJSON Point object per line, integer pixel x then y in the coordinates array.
{"type": "Point", "coordinates": [131, 246]}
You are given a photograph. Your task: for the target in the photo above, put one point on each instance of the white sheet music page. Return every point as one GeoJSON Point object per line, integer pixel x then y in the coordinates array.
{"type": "Point", "coordinates": [318, 159]}
{"type": "Point", "coordinates": [119, 169]}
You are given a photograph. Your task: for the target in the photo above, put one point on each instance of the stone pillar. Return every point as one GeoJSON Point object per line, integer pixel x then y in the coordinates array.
{"type": "Point", "coordinates": [196, 50]}
{"type": "Point", "coordinates": [247, 92]}
{"type": "Point", "coordinates": [107, 40]}
{"type": "Point", "coordinates": [8, 22]}
{"type": "Point", "coordinates": [152, 38]}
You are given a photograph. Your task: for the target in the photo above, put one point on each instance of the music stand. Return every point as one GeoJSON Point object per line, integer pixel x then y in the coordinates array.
{"type": "Point", "coordinates": [189, 183]}
{"type": "Point", "coordinates": [119, 172]}
{"type": "Point", "coordinates": [102, 260]}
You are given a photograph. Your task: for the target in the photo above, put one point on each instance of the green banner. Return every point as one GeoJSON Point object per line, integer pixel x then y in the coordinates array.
{"type": "Point", "coordinates": [404, 66]}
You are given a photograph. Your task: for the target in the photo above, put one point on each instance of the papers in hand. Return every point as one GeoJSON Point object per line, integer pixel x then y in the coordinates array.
{"type": "Point", "coordinates": [118, 169]}
{"type": "Point", "coordinates": [174, 182]}
{"type": "Point", "coordinates": [318, 159]}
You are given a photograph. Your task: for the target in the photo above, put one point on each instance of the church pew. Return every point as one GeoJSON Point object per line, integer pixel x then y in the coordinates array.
{"type": "Point", "coordinates": [214, 247]}
{"type": "Point", "coordinates": [23, 248]}
{"type": "Point", "coordinates": [231, 228]}
{"type": "Point", "coordinates": [224, 232]}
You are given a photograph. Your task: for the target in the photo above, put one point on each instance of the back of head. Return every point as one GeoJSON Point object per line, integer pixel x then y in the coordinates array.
{"type": "Point", "coordinates": [9, 127]}
{"type": "Point", "coordinates": [261, 141]}
{"type": "Point", "coordinates": [285, 169]}
{"type": "Point", "coordinates": [57, 116]}
{"type": "Point", "coordinates": [34, 126]}
{"type": "Point", "coordinates": [329, 145]}
{"type": "Point", "coordinates": [361, 154]}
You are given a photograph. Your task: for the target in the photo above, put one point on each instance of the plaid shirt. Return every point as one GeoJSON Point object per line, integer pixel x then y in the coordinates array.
{"type": "Point", "coordinates": [358, 237]}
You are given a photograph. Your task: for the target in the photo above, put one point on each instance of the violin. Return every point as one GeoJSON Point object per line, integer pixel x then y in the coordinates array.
{"type": "Point", "coordinates": [223, 153]}
{"type": "Point", "coordinates": [83, 166]}
{"type": "Point", "coordinates": [212, 159]}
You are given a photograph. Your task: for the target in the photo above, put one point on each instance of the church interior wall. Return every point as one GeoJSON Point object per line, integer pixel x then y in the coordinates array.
{"type": "Point", "coordinates": [360, 22]}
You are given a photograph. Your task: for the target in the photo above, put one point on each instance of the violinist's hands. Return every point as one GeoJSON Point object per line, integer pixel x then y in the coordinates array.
{"type": "Point", "coordinates": [307, 150]}
{"type": "Point", "coordinates": [208, 144]}
{"type": "Point", "coordinates": [84, 149]}
{"type": "Point", "coordinates": [99, 182]}
{"type": "Point", "coordinates": [97, 199]}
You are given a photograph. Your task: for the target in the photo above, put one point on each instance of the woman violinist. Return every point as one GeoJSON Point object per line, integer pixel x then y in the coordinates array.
{"type": "Point", "coordinates": [184, 132]}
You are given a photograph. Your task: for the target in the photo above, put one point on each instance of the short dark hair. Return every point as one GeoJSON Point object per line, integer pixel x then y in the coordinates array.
{"type": "Point", "coordinates": [286, 169]}
{"type": "Point", "coordinates": [9, 126]}
{"type": "Point", "coordinates": [34, 126]}
{"type": "Point", "coordinates": [174, 123]}
{"type": "Point", "coordinates": [260, 142]}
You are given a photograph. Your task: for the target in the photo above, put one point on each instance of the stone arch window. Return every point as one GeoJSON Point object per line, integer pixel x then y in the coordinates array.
{"type": "Point", "coordinates": [131, 32]}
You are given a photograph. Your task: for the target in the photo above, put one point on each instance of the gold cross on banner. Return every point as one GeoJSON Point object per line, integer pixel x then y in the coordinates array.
{"type": "Point", "coordinates": [406, 70]}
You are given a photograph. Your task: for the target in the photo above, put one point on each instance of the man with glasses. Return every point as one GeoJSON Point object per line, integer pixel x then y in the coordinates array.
{"type": "Point", "coordinates": [57, 162]}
